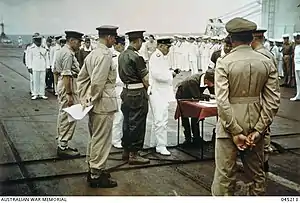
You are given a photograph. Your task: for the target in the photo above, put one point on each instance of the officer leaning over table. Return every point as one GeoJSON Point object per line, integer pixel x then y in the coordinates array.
{"type": "Point", "coordinates": [193, 87]}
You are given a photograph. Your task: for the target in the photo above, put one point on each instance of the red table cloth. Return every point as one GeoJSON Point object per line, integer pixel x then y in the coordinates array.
{"type": "Point", "coordinates": [195, 110]}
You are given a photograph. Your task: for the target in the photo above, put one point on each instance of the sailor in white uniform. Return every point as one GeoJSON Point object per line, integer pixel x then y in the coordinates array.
{"type": "Point", "coordinates": [38, 62]}
{"type": "Point", "coordinates": [279, 43]}
{"type": "Point", "coordinates": [117, 132]}
{"type": "Point", "coordinates": [54, 49]}
{"type": "Point", "coordinates": [28, 48]}
{"type": "Point", "coordinates": [297, 65]}
{"type": "Point", "coordinates": [192, 55]}
{"type": "Point", "coordinates": [161, 83]}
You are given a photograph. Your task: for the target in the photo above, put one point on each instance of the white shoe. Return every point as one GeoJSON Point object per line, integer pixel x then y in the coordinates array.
{"type": "Point", "coordinates": [56, 94]}
{"type": "Point", "coordinates": [34, 97]}
{"type": "Point", "coordinates": [163, 151]}
{"type": "Point", "coordinates": [118, 146]}
{"type": "Point", "coordinates": [44, 97]}
{"type": "Point", "coordinates": [294, 99]}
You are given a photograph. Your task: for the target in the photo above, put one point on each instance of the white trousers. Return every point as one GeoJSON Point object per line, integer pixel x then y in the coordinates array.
{"type": "Point", "coordinates": [297, 76]}
{"type": "Point", "coordinates": [31, 82]}
{"type": "Point", "coordinates": [193, 67]}
{"type": "Point", "coordinates": [38, 83]}
{"type": "Point", "coordinates": [159, 131]}
{"type": "Point", "coordinates": [117, 131]}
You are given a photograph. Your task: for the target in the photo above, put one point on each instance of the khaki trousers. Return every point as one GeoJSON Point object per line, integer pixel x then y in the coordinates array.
{"type": "Point", "coordinates": [267, 145]}
{"type": "Point", "coordinates": [100, 128]}
{"type": "Point", "coordinates": [226, 168]}
{"type": "Point", "coordinates": [65, 129]}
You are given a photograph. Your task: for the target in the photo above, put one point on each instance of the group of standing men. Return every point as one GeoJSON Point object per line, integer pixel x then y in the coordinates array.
{"type": "Point", "coordinates": [194, 53]}
{"type": "Point", "coordinates": [246, 90]}
{"type": "Point", "coordinates": [102, 77]}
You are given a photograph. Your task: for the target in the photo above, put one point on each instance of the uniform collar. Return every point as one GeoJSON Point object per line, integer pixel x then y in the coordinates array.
{"type": "Point", "coordinates": [68, 47]}
{"type": "Point", "coordinates": [103, 46]}
{"type": "Point", "coordinates": [260, 46]}
{"type": "Point", "coordinates": [241, 47]}
{"type": "Point", "coordinates": [131, 48]}
{"type": "Point", "coordinates": [87, 49]}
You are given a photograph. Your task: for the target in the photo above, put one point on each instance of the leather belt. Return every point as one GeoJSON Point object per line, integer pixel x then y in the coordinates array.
{"type": "Point", "coordinates": [134, 86]}
{"type": "Point", "coordinates": [244, 100]}
{"type": "Point", "coordinates": [73, 76]}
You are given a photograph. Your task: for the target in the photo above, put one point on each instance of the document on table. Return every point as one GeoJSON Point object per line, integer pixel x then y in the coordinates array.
{"type": "Point", "coordinates": [211, 103]}
{"type": "Point", "coordinates": [76, 112]}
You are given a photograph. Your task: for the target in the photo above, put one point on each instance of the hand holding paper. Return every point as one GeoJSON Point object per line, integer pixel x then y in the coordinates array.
{"type": "Point", "coordinates": [77, 112]}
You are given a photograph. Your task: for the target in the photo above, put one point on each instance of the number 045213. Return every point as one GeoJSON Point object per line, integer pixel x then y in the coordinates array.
{"type": "Point", "coordinates": [290, 199]}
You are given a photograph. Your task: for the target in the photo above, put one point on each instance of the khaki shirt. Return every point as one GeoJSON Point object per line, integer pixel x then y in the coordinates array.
{"type": "Point", "coordinates": [132, 67]}
{"type": "Point", "coordinates": [97, 80]}
{"type": "Point", "coordinates": [261, 49]}
{"type": "Point", "coordinates": [247, 92]}
{"type": "Point", "coordinates": [66, 62]}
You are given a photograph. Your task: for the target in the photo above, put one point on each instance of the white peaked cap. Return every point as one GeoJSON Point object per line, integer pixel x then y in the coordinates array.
{"type": "Point", "coordinates": [285, 35]}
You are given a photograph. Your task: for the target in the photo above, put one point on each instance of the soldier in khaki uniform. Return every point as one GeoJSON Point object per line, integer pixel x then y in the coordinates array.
{"type": "Point", "coordinates": [248, 97]}
{"type": "Point", "coordinates": [96, 85]}
{"type": "Point", "coordinates": [257, 45]}
{"type": "Point", "coordinates": [287, 51]}
{"type": "Point", "coordinates": [67, 69]}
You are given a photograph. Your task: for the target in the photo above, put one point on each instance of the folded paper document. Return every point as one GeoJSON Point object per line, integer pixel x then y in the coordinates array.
{"type": "Point", "coordinates": [77, 112]}
{"type": "Point", "coordinates": [211, 103]}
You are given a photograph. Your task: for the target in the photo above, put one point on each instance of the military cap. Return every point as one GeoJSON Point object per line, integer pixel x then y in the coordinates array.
{"type": "Point", "coordinates": [151, 36]}
{"type": "Point", "coordinates": [285, 36]}
{"type": "Point", "coordinates": [62, 39]}
{"type": "Point", "coordinates": [74, 34]}
{"type": "Point", "coordinates": [35, 35]}
{"type": "Point", "coordinates": [164, 40]}
{"type": "Point", "coordinates": [57, 37]}
{"type": "Point", "coordinates": [191, 38]}
{"type": "Point", "coordinates": [296, 34]}
{"type": "Point", "coordinates": [271, 40]}
{"type": "Point", "coordinates": [279, 40]}
{"type": "Point", "coordinates": [205, 37]}
{"type": "Point", "coordinates": [259, 32]}
{"type": "Point", "coordinates": [136, 35]}
{"type": "Point", "coordinates": [120, 40]}
{"type": "Point", "coordinates": [107, 30]}
{"type": "Point", "coordinates": [240, 25]}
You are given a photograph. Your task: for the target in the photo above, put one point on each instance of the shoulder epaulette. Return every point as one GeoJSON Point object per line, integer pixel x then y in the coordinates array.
{"type": "Point", "coordinates": [263, 54]}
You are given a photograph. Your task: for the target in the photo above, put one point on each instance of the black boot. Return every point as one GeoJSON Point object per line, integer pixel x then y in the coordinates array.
{"type": "Point", "coordinates": [266, 166]}
{"type": "Point", "coordinates": [125, 155]}
{"type": "Point", "coordinates": [103, 181]}
{"type": "Point", "coordinates": [197, 141]}
{"type": "Point", "coordinates": [136, 159]}
{"type": "Point", "coordinates": [187, 143]}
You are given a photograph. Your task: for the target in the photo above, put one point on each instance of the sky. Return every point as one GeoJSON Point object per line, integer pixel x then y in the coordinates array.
{"type": "Point", "coordinates": [153, 16]}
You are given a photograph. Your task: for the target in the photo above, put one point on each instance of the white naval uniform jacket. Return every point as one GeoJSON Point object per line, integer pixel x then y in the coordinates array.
{"type": "Point", "coordinates": [297, 57]}
{"type": "Point", "coordinates": [37, 58]}
{"type": "Point", "coordinates": [53, 51]}
{"type": "Point", "coordinates": [160, 78]}
{"type": "Point", "coordinates": [119, 83]}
